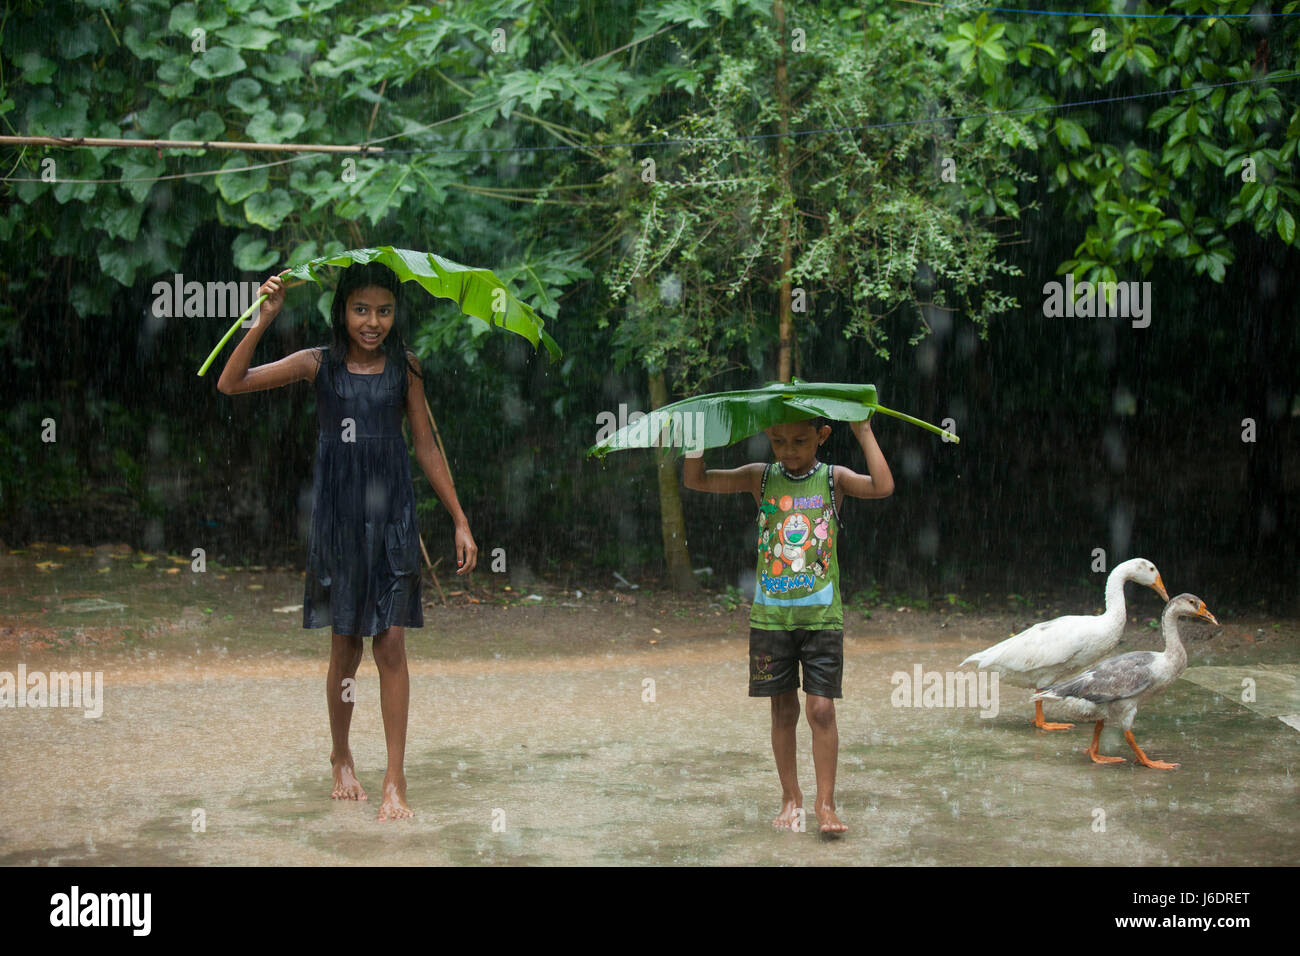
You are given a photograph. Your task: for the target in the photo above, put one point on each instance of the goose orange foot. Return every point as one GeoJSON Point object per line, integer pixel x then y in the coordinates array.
{"type": "Point", "coordinates": [1042, 724]}
{"type": "Point", "coordinates": [1143, 759]}
{"type": "Point", "coordinates": [1093, 752]}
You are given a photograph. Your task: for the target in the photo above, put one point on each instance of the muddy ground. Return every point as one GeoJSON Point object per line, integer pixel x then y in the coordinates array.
{"type": "Point", "coordinates": [533, 739]}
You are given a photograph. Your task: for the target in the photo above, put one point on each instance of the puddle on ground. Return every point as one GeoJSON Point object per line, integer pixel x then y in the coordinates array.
{"type": "Point", "coordinates": [560, 761]}
{"type": "Point", "coordinates": [531, 741]}
{"type": "Point", "coordinates": [1269, 689]}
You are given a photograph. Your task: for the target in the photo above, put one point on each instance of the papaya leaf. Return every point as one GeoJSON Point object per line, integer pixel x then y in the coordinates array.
{"type": "Point", "coordinates": [266, 127]}
{"type": "Point", "coordinates": [251, 255]}
{"type": "Point", "coordinates": [217, 62]}
{"type": "Point", "coordinates": [247, 37]}
{"type": "Point", "coordinates": [277, 70]}
{"type": "Point", "coordinates": [268, 209]}
{"type": "Point", "coordinates": [36, 69]}
{"type": "Point", "coordinates": [236, 186]}
{"type": "Point", "coordinates": [186, 17]}
{"type": "Point", "coordinates": [205, 128]}
{"type": "Point", "coordinates": [244, 92]}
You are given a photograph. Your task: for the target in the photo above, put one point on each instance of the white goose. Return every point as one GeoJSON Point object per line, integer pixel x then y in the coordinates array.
{"type": "Point", "coordinates": [1063, 646]}
{"type": "Point", "coordinates": [1114, 688]}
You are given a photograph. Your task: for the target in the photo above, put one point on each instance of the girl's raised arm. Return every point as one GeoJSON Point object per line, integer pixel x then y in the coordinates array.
{"type": "Point", "coordinates": [237, 377]}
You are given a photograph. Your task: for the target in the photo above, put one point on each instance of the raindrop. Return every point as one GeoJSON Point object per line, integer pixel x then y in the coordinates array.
{"type": "Point", "coordinates": [913, 463]}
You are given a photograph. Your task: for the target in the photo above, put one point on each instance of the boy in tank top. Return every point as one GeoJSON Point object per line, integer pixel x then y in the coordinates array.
{"type": "Point", "coordinates": [797, 619]}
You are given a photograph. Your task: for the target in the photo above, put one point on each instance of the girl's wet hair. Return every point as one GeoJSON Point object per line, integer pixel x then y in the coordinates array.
{"type": "Point", "coordinates": [365, 276]}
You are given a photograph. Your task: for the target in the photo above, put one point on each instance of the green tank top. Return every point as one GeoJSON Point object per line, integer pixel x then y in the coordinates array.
{"type": "Point", "coordinates": [798, 582]}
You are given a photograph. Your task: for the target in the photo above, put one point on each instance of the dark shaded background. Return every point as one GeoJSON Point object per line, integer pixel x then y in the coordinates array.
{"type": "Point", "coordinates": [1076, 434]}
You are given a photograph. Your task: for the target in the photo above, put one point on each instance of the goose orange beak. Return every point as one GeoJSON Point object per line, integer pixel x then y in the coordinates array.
{"type": "Point", "coordinates": [1204, 612]}
{"type": "Point", "coordinates": [1159, 588]}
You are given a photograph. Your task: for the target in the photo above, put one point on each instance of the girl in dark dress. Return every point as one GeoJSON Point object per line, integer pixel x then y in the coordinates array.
{"type": "Point", "coordinates": [363, 571]}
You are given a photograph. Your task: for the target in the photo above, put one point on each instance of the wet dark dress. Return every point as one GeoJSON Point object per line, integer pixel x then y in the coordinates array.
{"type": "Point", "coordinates": [363, 554]}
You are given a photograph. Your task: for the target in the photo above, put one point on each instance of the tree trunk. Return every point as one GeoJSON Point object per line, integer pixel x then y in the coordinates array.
{"type": "Point", "coordinates": [671, 520]}
{"type": "Point", "coordinates": [786, 327]}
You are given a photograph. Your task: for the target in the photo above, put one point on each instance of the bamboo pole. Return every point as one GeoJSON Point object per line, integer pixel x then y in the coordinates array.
{"type": "Point", "coordinates": [438, 437]}
{"type": "Point", "coordinates": [433, 572]}
{"type": "Point", "coordinates": [92, 141]}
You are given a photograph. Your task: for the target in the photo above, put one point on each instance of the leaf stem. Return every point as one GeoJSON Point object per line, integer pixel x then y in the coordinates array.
{"type": "Point", "coordinates": [916, 421]}
{"type": "Point", "coordinates": [226, 338]}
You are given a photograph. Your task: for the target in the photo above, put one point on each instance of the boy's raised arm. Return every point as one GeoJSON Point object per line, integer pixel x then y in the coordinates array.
{"type": "Point", "coordinates": [878, 482]}
{"type": "Point", "coordinates": [721, 480]}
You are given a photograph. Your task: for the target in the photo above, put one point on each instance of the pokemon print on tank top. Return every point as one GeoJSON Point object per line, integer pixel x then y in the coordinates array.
{"type": "Point", "coordinates": [798, 582]}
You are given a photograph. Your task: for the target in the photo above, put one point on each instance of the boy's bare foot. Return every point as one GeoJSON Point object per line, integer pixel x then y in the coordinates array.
{"type": "Point", "coordinates": [346, 784]}
{"type": "Point", "coordinates": [394, 805]}
{"type": "Point", "coordinates": [827, 819]}
{"type": "Point", "coordinates": [790, 806]}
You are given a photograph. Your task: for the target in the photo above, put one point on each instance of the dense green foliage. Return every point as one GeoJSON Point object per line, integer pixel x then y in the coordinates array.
{"type": "Point", "coordinates": [517, 135]}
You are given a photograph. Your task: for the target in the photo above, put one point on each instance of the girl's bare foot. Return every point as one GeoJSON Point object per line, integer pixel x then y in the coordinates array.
{"type": "Point", "coordinates": [346, 784]}
{"type": "Point", "coordinates": [827, 819]}
{"type": "Point", "coordinates": [789, 815]}
{"type": "Point", "coordinates": [394, 805]}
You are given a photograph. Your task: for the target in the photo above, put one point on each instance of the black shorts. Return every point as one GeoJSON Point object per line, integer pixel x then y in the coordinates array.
{"type": "Point", "coordinates": [775, 656]}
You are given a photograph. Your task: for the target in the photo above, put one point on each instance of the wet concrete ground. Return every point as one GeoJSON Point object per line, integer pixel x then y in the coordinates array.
{"type": "Point", "coordinates": [530, 743]}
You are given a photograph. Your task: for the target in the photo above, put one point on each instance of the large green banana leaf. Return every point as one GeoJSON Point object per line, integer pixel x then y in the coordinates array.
{"type": "Point", "coordinates": [723, 418]}
{"type": "Point", "coordinates": [477, 292]}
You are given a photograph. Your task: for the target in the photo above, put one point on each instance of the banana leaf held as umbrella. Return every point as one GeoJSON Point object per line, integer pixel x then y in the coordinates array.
{"type": "Point", "coordinates": [724, 418]}
{"type": "Point", "coordinates": [477, 292]}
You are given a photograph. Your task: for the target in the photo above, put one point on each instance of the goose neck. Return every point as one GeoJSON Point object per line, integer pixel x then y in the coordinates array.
{"type": "Point", "coordinates": [1174, 649]}
{"type": "Point", "coordinates": [1115, 595]}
